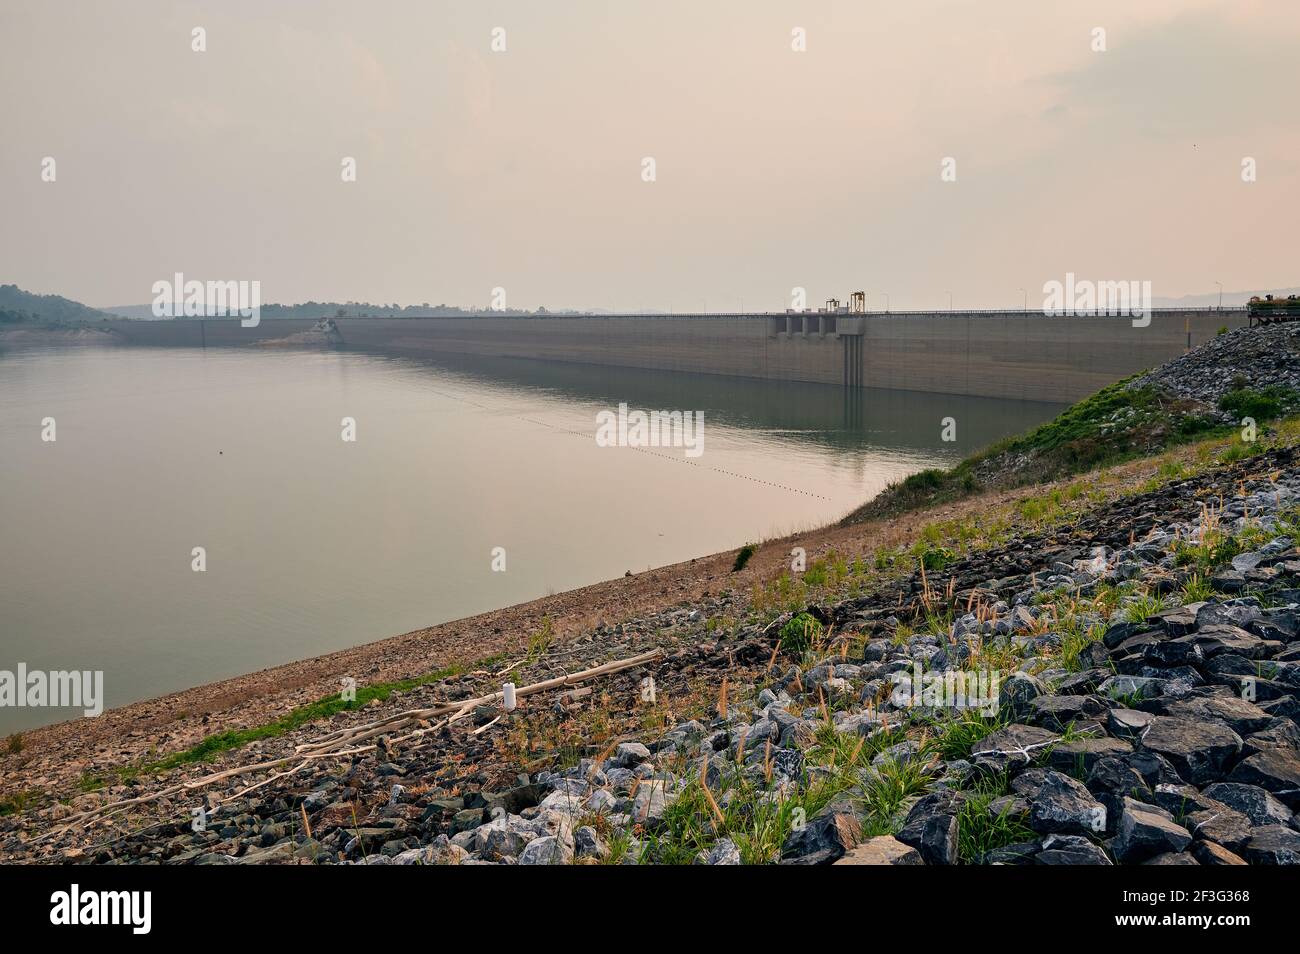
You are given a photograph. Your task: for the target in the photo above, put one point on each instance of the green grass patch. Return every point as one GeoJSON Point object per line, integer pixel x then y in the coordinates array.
{"type": "Point", "coordinates": [214, 745]}
{"type": "Point", "coordinates": [1074, 640]}
{"type": "Point", "coordinates": [931, 556]}
{"type": "Point", "coordinates": [1144, 606]}
{"type": "Point", "coordinates": [540, 641]}
{"type": "Point", "coordinates": [888, 788]}
{"type": "Point", "coordinates": [1264, 404]}
{"type": "Point", "coordinates": [743, 555]}
{"type": "Point", "coordinates": [1197, 589]}
{"type": "Point", "coordinates": [746, 811]}
{"type": "Point", "coordinates": [801, 633]}
{"type": "Point", "coordinates": [930, 479]}
{"type": "Point", "coordinates": [19, 802]}
{"type": "Point", "coordinates": [954, 738]}
{"type": "Point", "coordinates": [981, 830]}
{"type": "Point", "coordinates": [1215, 548]}
{"type": "Point", "coordinates": [1118, 423]}
{"type": "Point", "coordinates": [756, 823]}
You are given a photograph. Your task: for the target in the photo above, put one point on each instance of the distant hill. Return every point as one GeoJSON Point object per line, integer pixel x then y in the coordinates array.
{"type": "Point", "coordinates": [362, 309]}
{"type": "Point", "coordinates": [138, 312]}
{"type": "Point", "coordinates": [351, 309]}
{"type": "Point", "coordinates": [18, 305]}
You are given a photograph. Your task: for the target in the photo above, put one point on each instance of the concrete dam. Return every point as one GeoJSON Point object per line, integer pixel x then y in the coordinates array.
{"type": "Point", "coordinates": [1003, 354]}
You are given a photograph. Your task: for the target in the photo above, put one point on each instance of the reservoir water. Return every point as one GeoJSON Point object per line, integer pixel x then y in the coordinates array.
{"type": "Point", "coordinates": [315, 543]}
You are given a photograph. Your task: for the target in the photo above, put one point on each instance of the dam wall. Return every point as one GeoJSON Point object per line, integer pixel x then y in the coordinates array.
{"type": "Point", "coordinates": [1016, 355]}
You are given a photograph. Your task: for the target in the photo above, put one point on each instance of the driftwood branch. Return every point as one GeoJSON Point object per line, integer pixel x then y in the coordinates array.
{"type": "Point", "coordinates": [342, 743]}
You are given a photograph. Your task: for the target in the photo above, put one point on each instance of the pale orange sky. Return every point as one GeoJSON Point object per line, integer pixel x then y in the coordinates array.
{"type": "Point", "coordinates": [775, 168]}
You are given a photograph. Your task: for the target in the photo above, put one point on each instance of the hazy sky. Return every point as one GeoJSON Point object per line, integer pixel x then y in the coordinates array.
{"type": "Point", "coordinates": [523, 169]}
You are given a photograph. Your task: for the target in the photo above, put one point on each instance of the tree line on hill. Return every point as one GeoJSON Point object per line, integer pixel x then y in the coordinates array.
{"type": "Point", "coordinates": [18, 306]}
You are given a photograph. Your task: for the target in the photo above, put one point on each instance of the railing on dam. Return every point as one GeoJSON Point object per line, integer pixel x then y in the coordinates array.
{"type": "Point", "coordinates": [918, 313]}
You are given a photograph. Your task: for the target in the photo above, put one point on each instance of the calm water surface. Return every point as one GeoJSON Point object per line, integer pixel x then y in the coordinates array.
{"type": "Point", "coordinates": [316, 544]}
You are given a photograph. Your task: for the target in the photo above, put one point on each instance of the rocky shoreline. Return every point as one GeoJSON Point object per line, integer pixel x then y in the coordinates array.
{"type": "Point", "coordinates": [1175, 743]}
{"type": "Point", "coordinates": [1161, 731]}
